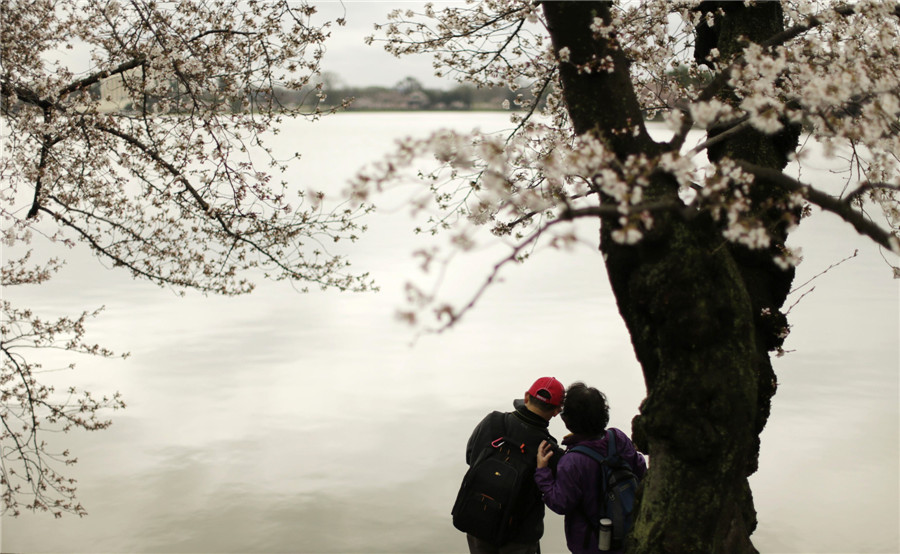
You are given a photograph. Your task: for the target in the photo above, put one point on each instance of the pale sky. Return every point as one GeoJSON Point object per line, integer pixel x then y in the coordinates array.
{"type": "Point", "coordinates": [358, 64]}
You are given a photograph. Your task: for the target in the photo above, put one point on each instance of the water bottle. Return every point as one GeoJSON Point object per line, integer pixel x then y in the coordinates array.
{"type": "Point", "coordinates": [605, 534]}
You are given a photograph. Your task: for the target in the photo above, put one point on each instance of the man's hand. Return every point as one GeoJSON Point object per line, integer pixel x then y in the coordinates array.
{"type": "Point", "coordinates": [545, 452]}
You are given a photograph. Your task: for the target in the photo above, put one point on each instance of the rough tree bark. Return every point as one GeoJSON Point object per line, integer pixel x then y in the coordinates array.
{"type": "Point", "coordinates": [702, 313]}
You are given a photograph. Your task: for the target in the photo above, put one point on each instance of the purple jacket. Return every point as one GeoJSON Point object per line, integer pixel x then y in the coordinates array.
{"type": "Point", "coordinates": [574, 491]}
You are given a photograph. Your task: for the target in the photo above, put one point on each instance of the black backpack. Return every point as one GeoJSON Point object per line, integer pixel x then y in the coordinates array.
{"type": "Point", "coordinates": [494, 488]}
{"type": "Point", "coordinates": [618, 490]}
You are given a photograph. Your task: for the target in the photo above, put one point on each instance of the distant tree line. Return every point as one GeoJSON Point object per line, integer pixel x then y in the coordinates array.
{"type": "Point", "coordinates": [327, 93]}
{"type": "Point", "coordinates": [410, 94]}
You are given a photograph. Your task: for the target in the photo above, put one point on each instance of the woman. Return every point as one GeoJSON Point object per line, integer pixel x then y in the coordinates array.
{"type": "Point", "coordinates": [574, 491]}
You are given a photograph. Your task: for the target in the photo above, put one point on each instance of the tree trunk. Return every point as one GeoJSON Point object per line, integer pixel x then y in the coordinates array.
{"type": "Point", "coordinates": [693, 305]}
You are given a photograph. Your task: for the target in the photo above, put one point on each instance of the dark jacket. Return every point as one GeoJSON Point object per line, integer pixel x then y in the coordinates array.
{"type": "Point", "coordinates": [531, 429]}
{"type": "Point", "coordinates": [574, 491]}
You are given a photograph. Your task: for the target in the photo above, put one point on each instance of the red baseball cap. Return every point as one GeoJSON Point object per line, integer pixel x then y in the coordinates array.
{"type": "Point", "coordinates": [548, 389]}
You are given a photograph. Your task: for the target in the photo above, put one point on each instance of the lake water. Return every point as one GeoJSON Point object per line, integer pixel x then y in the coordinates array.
{"type": "Point", "coordinates": [288, 422]}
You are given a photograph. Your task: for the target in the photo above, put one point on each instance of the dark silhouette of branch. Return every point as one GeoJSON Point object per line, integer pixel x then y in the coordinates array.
{"type": "Point", "coordinates": [617, 211]}
{"type": "Point", "coordinates": [867, 186]}
{"type": "Point", "coordinates": [82, 84]}
{"type": "Point", "coordinates": [738, 126]}
{"type": "Point", "coordinates": [812, 23]}
{"type": "Point", "coordinates": [47, 143]}
{"type": "Point", "coordinates": [826, 202]}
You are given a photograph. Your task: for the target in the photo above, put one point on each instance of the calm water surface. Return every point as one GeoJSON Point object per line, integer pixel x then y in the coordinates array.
{"type": "Point", "coordinates": [287, 422]}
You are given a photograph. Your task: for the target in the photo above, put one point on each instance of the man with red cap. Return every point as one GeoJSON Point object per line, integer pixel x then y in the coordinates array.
{"type": "Point", "coordinates": [527, 425]}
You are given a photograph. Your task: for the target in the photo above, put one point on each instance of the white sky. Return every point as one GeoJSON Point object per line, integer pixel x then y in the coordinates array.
{"type": "Point", "coordinates": [358, 64]}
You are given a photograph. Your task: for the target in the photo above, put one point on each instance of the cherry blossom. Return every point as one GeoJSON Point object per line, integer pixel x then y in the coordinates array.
{"type": "Point", "coordinates": [834, 71]}
{"type": "Point", "coordinates": [136, 129]}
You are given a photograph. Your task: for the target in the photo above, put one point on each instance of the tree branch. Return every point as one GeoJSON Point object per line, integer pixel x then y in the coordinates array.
{"type": "Point", "coordinates": [221, 32]}
{"type": "Point", "coordinates": [28, 96]}
{"type": "Point", "coordinates": [455, 315]}
{"type": "Point", "coordinates": [24, 94]}
{"type": "Point", "coordinates": [34, 424]}
{"type": "Point", "coordinates": [828, 203]}
{"type": "Point", "coordinates": [47, 143]}
{"type": "Point", "coordinates": [500, 50]}
{"type": "Point", "coordinates": [739, 125]}
{"type": "Point", "coordinates": [721, 79]}
{"type": "Point", "coordinates": [155, 156]}
{"type": "Point", "coordinates": [867, 186]}
{"type": "Point", "coordinates": [811, 23]}
{"type": "Point", "coordinates": [209, 210]}
{"type": "Point", "coordinates": [617, 211]}
{"type": "Point", "coordinates": [537, 99]}
{"type": "Point", "coordinates": [82, 84]}
{"type": "Point", "coordinates": [118, 260]}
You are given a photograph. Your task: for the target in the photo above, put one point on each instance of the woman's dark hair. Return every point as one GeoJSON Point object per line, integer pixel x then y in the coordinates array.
{"type": "Point", "coordinates": [585, 410]}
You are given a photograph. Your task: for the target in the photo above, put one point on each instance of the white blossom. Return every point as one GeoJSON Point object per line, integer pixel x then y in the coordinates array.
{"type": "Point", "coordinates": [706, 113]}
{"type": "Point", "coordinates": [839, 79]}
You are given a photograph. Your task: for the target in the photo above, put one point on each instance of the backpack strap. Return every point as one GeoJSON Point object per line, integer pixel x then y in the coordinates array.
{"type": "Point", "coordinates": [588, 451]}
{"type": "Point", "coordinates": [613, 463]}
{"type": "Point", "coordinates": [504, 435]}
{"type": "Point", "coordinates": [610, 448]}
{"type": "Point", "coordinates": [597, 457]}
{"type": "Point", "coordinates": [496, 430]}
{"type": "Point", "coordinates": [610, 443]}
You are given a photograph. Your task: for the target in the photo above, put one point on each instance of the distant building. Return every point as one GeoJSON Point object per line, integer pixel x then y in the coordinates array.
{"type": "Point", "coordinates": [114, 92]}
{"type": "Point", "coordinates": [118, 92]}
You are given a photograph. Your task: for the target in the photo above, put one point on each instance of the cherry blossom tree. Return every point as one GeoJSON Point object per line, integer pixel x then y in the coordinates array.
{"type": "Point", "coordinates": [135, 129]}
{"type": "Point", "coordinates": [695, 246]}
